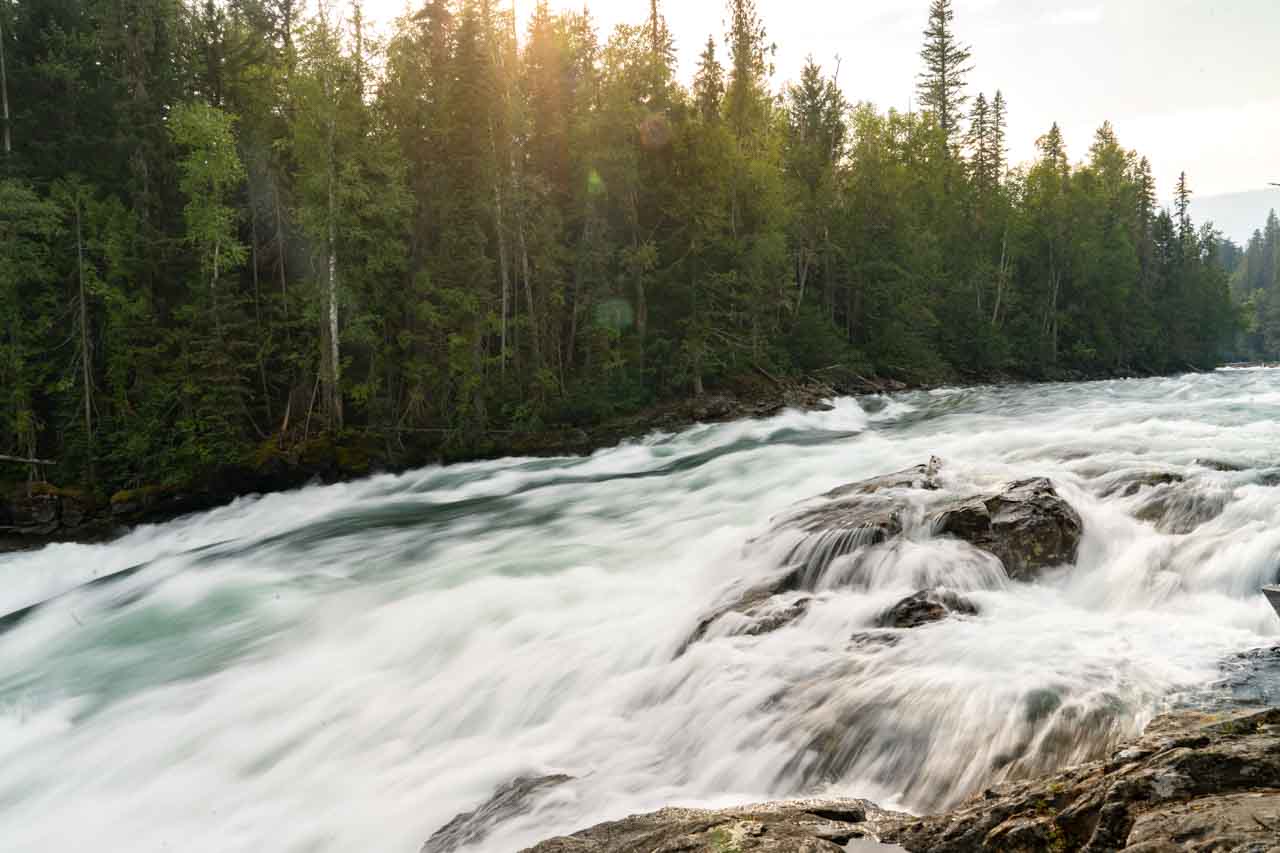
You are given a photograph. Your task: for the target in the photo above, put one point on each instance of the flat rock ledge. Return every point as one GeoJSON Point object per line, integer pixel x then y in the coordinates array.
{"type": "Point", "coordinates": [796, 826]}
{"type": "Point", "coordinates": [1192, 782]}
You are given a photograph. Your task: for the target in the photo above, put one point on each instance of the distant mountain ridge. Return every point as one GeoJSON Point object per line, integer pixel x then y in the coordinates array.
{"type": "Point", "coordinates": [1237, 215]}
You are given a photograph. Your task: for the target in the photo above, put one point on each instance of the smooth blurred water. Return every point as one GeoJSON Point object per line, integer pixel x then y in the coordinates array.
{"type": "Point", "coordinates": [346, 667]}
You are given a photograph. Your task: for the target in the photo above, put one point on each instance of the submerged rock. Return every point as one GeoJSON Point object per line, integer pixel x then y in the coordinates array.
{"type": "Point", "coordinates": [929, 605]}
{"type": "Point", "coordinates": [1027, 525]}
{"type": "Point", "coordinates": [1129, 483]}
{"type": "Point", "coordinates": [759, 605]}
{"type": "Point", "coordinates": [799, 826]}
{"type": "Point", "coordinates": [1181, 508]}
{"type": "Point", "coordinates": [513, 799]}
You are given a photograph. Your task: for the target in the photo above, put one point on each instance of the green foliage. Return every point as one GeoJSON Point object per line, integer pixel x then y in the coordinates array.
{"type": "Point", "coordinates": [283, 233]}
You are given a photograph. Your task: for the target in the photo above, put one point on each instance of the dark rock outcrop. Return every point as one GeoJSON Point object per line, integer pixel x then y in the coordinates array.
{"type": "Point", "coordinates": [1027, 525]}
{"type": "Point", "coordinates": [1192, 782]}
{"type": "Point", "coordinates": [929, 605]}
{"type": "Point", "coordinates": [515, 798]}
{"type": "Point", "coordinates": [800, 826]}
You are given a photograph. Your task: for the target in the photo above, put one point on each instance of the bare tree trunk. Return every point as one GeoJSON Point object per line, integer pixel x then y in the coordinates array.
{"type": "Point", "coordinates": [213, 288]}
{"type": "Point", "coordinates": [280, 244]}
{"type": "Point", "coordinates": [333, 396]}
{"type": "Point", "coordinates": [86, 357]}
{"type": "Point", "coordinates": [1000, 275]}
{"type": "Point", "coordinates": [503, 265]}
{"type": "Point", "coordinates": [332, 391]}
{"type": "Point", "coordinates": [253, 259]}
{"type": "Point", "coordinates": [4, 94]}
{"type": "Point", "coordinates": [803, 261]}
{"type": "Point", "coordinates": [528, 293]}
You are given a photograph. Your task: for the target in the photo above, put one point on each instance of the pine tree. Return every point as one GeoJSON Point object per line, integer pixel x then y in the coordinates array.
{"type": "Point", "coordinates": [981, 144]}
{"type": "Point", "coordinates": [999, 129]}
{"type": "Point", "coordinates": [708, 83]}
{"type": "Point", "coordinates": [1182, 205]}
{"type": "Point", "coordinates": [942, 84]}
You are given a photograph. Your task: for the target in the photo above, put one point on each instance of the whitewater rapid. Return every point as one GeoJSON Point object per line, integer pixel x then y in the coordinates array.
{"type": "Point", "coordinates": [347, 667]}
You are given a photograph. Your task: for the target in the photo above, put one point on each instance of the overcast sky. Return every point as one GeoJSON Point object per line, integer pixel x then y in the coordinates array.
{"type": "Point", "coordinates": [1193, 84]}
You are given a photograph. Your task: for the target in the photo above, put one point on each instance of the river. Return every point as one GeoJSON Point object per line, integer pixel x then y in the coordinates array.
{"type": "Point", "coordinates": [346, 667]}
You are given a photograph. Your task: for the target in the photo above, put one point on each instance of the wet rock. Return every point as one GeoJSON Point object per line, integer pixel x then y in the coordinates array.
{"type": "Point", "coordinates": [1182, 508]}
{"type": "Point", "coordinates": [35, 514]}
{"type": "Point", "coordinates": [515, 798]}
{"type": "Point", "coordinates": [1222, 465]}
{"type": "Point", "coordinates": [921, 477]}
{"type": "Point", "coordinates": [1027, 525]}
{"type": "Point", "coordinates": [1191, 782]}
{"type": "Point", "coordinates": [1131, 482]}
{"type": "Point", "coordinates": [761, 606]}
{"type": "Point", "coordinates": [800, 826]}
{"type": "Point", "coordinates": [929, 605]}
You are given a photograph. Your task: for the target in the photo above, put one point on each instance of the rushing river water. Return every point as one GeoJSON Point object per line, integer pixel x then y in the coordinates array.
{"type": "Point", "coordinates": [346, 667]}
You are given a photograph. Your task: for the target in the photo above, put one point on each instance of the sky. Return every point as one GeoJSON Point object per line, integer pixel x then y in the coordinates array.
{"type": "Point", "coordinates": [1192, 84]}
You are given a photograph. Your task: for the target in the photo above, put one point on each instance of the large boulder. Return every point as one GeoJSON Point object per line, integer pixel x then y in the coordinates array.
{"type": "Point", "coordinates": [928, 605]}
{"type": "Point", "coordinates": [1027, 525]}
{"type": "Point", "coordinates": [800, 826]}
{"type": "Point", "coordinates": [513, 799]}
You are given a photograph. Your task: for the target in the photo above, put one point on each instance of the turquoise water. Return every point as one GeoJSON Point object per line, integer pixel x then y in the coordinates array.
{"type": "Point", "coordinates": [347, 667]}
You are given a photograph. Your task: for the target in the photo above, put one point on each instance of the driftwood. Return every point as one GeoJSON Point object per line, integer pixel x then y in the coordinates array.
{"type": "Point", "coordinates": [22, 461]}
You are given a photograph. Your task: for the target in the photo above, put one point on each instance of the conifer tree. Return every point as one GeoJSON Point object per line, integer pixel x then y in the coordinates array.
{"type": "Point", "coordinates": [941, 85]}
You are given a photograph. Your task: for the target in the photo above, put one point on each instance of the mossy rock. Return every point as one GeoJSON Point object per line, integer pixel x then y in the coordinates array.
{"type": "Point", "coordinates": [141, 496]}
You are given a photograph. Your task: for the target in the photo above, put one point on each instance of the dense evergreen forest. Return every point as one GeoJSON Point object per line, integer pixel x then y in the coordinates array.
{"type": "Point", "coordinates": [230, 227]}
{"type": "Point", "coordinates": [1255, 287]}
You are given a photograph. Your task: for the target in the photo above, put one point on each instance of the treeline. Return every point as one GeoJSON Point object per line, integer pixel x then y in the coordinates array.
{"type": "Point", "coordinates": [1255, 285]}
{"type": "Point", "coordinates": [229, 226]}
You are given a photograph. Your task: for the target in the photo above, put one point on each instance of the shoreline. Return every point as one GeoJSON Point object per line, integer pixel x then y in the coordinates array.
{"type": "Point", "coordinates": [39, 514]}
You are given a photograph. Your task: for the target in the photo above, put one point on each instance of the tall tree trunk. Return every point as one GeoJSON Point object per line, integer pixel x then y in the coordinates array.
{"type": "Point", "coordinates": [86, 367]}
{"type": "Point", "coordinates": [503, 264]}
{"type": "Point", "coordinates": [281, 249]}
{"type": "Point", "coordinates": [213, 289]}
{"type": "Point", "coordinates": [534, 335]}
{"type": "Point", "coordinates": [4, 94]}
{"type": "Point", "coordinates": [1000, 279]}
{"type": "Point", "coordinates": [333, 397]}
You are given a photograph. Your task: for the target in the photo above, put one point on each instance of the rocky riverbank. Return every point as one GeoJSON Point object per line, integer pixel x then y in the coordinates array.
{"type": "Point", "coordinates": [1191, 782]}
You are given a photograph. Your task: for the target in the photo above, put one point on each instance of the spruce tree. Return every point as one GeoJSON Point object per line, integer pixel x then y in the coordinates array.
{"type": "Point", "coordinates": [941, 85]}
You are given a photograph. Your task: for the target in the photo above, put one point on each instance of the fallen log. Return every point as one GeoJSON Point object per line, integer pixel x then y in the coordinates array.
{"type": "Point", "coordinates": [21, 461]}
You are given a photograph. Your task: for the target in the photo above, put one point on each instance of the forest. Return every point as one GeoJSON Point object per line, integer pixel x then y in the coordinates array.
{"type": "Point", "coordinates": [234, 226]}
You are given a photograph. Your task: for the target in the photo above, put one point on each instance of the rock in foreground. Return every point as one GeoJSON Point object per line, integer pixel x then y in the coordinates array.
{"type": "Point", "coordinates": [799, 826]}
{"type": "Point", "coordinates": [929, 605]}
{"type": "Point", "coordinates": [515, 798]}
{"type": "Point", "coordinates": [1192, 782]}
